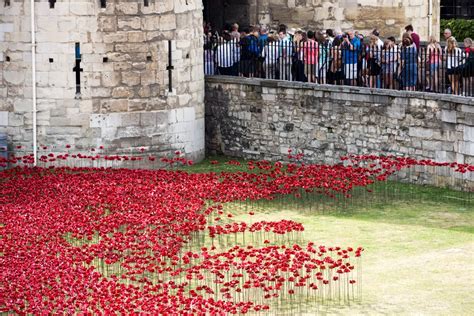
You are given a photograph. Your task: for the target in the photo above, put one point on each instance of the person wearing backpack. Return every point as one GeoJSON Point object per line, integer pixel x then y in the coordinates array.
{"type": "Point", "coordinates": [250, 53]}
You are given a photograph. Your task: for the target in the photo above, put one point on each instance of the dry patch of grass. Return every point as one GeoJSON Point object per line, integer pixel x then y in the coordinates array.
{"type": "Point", "coordinates": [410, 266]}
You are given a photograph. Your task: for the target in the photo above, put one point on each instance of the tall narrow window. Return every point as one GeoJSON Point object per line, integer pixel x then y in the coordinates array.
{"type": "Point", "coordinates": [52, 3]}
{"type": "Point", "coordinates": [170, 66]}
{"type": "Point", "coordinates": [77, 69]}
{"type": "Point", "coordinates": [103, 3]}
{"type": "Point", "coordinates": [146, 3]}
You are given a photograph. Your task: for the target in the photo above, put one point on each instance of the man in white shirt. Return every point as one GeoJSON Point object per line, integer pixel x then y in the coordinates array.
{"type": "Point", "coordinates": [376, 33]}
{"type": "Point", "coordinates": [285, 54]}
{"type": "Point", "coordinates": [227, 56]}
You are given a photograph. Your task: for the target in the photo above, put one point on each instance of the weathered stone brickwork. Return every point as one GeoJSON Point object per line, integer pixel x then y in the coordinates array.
{"type": "Point", "coordinates": [389, 16]}
{"type": "Point", "coordinates": [262, 119]}
{"type": "Point", "coordinates": [124, 102]}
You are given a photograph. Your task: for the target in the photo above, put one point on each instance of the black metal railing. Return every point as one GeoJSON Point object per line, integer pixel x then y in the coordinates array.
{"type": "Point", "coordinates": [429, 69]}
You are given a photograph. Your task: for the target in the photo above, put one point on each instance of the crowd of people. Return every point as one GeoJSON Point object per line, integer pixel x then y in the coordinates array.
{"type": "Point", "coordinates": [334, 57]}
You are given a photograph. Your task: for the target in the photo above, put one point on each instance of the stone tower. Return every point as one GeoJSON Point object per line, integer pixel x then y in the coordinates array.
{"type": "Point", "coordinates": [103, 75]}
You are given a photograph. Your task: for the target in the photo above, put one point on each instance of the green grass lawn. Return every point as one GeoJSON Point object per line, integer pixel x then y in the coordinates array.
{"type": "Point", "coordinates": [418, 240]}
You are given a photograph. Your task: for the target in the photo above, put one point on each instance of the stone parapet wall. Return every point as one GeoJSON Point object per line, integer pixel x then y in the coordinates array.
{"type": "Point", "coordinates": [263, 119]}
{"type": "Point", "coordinates": [124, 59]}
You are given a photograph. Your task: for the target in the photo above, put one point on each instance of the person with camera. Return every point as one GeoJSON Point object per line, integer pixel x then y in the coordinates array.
{"type": "Point", "coordinates": [350, 54]}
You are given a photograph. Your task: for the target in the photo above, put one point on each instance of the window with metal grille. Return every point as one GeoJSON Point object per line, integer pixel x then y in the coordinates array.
{"type": "Point", "coordinates": [457, 9]}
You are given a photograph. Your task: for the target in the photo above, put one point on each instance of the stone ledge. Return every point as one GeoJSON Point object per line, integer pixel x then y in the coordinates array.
{"type": "Point", "coordinates": [270, 83]}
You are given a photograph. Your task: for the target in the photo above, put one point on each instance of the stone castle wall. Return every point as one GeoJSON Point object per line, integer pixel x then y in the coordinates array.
{"type": "Point", "coordinates": [124, 103]}
{"type": "Point", "coordinates": [262, 119]}
{"type": "Point", "coordinates": [389, 16]}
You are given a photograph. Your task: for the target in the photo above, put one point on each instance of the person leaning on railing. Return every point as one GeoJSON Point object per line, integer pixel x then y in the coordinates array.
{"type": "Point", "coordinates": [455, 59]}
{"type": "Point", "coordinates": [389, 63]}
{"type": "Point", "coordinates": [373, 61]}
{"type": "Point", "coordinates": [362, 69]}
{"type": "Point", "coordinates": [262, 41]}
{"type": "Point", "coordinates": [468, 71]}
{"type": "Point", "coordinates": [227, 56]}
{"type": "Point", "coordinates": [209, 65]}
{"type": "Point", "coordinates": [323, 62]}
{"type": "Point", "coordinates": [285, 55]}
{"type": "Point", "coordinates": [250, 53]}
{"type": "Point", "coordinates": [335, 71]}
{"type": "Point", "coordinates": [350, 53]}
{"type": "Point", "coordinates": [433, 60]}
{"type": "Point", "coordinates": [234, 32]}
{"type": "Point", "coordinates": [270, 54]}
{"type": "Point", "coordinates": [414, 36]}
{"type": "Point", "coordinates": [297, 68]}
{"type": "Point", "coordinates": [409, 63]}
{"type": "Point", "coordinates": [310, 51]}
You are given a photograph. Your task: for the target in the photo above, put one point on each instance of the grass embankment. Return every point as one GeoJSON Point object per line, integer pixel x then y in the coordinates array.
{"type": "Point", "coordinates": [418, 240]}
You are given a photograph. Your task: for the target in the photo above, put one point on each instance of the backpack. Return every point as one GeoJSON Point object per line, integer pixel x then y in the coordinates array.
{"type": "Point", "coordinates": [249, 47]}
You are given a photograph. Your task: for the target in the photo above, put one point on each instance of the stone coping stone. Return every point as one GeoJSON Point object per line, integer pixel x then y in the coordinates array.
{"type": "Point", "coordinates": [271, 83]}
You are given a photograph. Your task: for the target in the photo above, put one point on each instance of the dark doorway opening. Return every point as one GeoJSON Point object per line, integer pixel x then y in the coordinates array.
{"type": "Point", "coordinates": [222, 13]}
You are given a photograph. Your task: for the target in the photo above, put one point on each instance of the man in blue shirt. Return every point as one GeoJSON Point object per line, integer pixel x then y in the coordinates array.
{"type": "Point", "coordinates": [350, 55]}
{"type": "Point", "coordinates": [263, 38]}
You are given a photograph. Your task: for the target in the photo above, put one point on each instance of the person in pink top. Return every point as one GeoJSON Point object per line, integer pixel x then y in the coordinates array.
{"type": "Point", "coordinates": [310, 51]}
{"type": "Point", "coordinates": [434, 61]}
{"type": "Point", "coordinates": [468, 69]}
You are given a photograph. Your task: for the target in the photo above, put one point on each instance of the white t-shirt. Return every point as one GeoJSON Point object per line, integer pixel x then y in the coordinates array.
{"type": "Point", "coordinates": [379, 44]}
{"type": "Point", "coordinates": [286, 48]}
{"type": "Point", "coordinates": [227, 54]}
{"type": "Point", "coordinates": [271, 53]}
{"type": "Point", "coordinates": [455, 58]}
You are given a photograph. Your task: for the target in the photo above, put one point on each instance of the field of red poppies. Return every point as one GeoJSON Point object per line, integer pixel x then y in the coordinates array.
{"type": "Point", "coordinates": [97, 240]}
